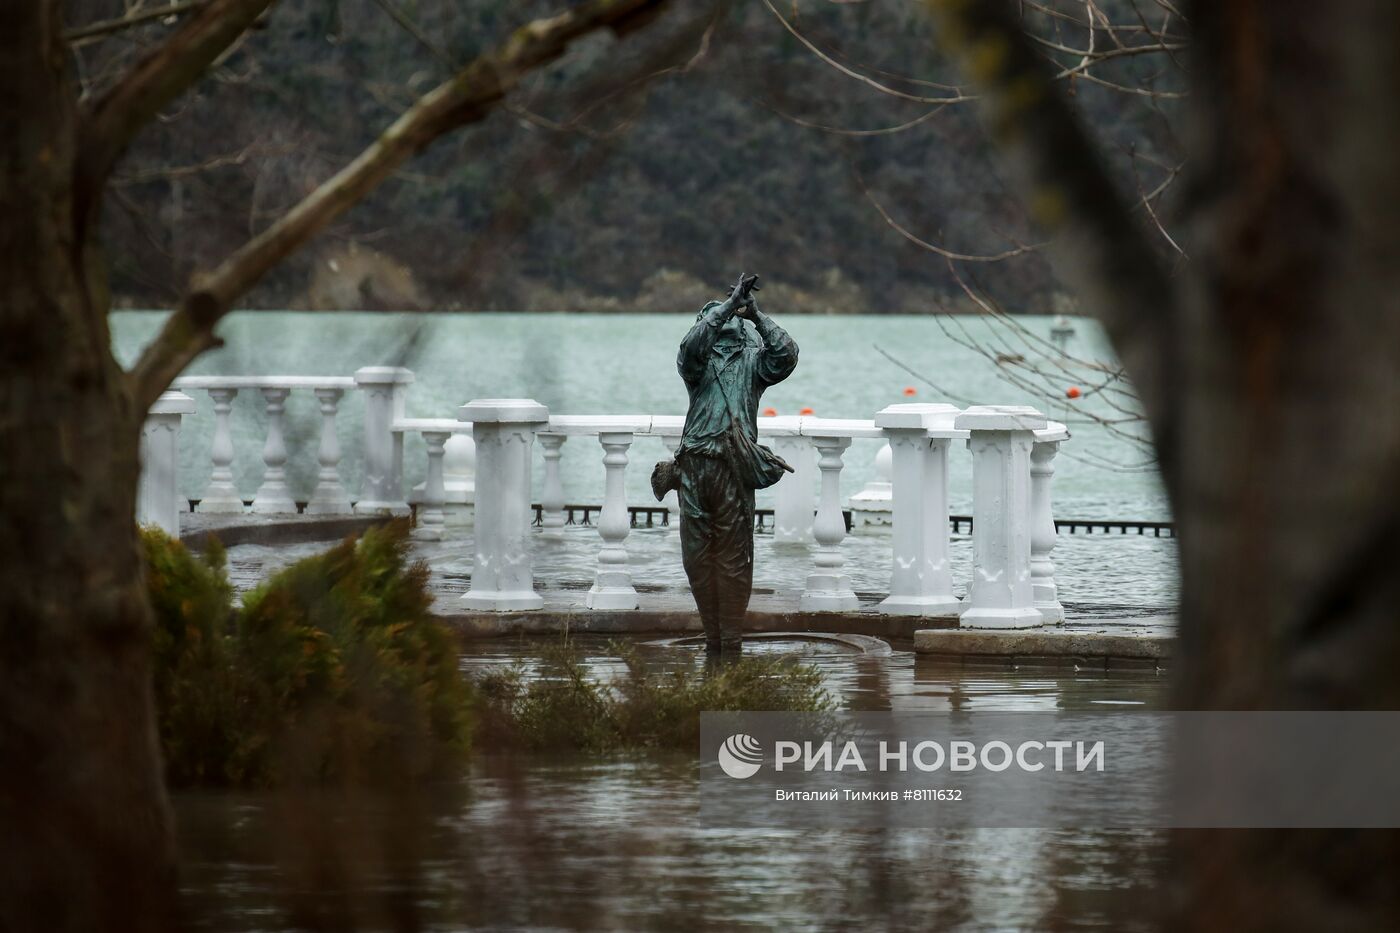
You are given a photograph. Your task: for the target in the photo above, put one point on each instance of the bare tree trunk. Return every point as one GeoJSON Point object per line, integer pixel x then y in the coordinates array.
{"type": "Point", "coordinates": [1270, 371]}
{"type": "Point", "coordinates": [88, 841]}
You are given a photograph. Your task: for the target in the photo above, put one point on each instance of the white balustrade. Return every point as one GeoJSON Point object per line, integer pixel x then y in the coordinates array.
{"type": "Point", "coordinates": [431, 516]}
{"type": "Point", "coordinates": [874, 505]}
{"type": "Point", "coordinates": [158, 500]}
{"type": "Point", "coordinates": [384, 388]}
{"type": "Point", "coordinates": [552, 495]}
{"type": "Point", "coordinates": [612, 581]}
{"type": "Point", "coordinates": [502, 571]}
{"type": "Point", "coordinates": [459, 470]}
{"type": "Point", "coordinates": [273, 496]}
{"type": "Point", "coordinates": [794, 499]}
{"type": "Point", "coordinates": [329, 497]}
{"type": "Point", "coordinates": [222, 495]}
{"type": "Point", "coordinates": [828, 588]}
{"type": "Point", "coordinates": [1046, 593]}
{"type": "Point", "coordinates": [669, 429]}
{"type": "Point", "coordinates": [1001, 437]}
{"type": "Point", "coordinates": [921, 580]}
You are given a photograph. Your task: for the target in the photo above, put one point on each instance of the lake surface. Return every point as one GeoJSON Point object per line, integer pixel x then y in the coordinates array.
{"type": "Point", "coordinates": [616, 364]}
{"type": "Point", "coordinates": [542, 842]}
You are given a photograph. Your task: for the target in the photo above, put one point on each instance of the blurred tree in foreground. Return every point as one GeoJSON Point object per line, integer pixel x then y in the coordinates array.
{"type": "Point", "coordinates": [1269, 369]}
{"type": "Point", "coordinates": [88, 830]}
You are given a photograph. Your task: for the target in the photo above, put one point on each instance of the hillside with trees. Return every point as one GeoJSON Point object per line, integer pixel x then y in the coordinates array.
{"type": "Point", "coordinates": [771, 138]}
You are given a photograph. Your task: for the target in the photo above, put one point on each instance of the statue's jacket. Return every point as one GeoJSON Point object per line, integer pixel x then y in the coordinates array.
{"type": "Point", "coordinates": [725, 388]}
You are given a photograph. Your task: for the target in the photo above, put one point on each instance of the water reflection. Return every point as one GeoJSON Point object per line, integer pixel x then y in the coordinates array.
{"type": "Point", "coordinates": [549, 842]}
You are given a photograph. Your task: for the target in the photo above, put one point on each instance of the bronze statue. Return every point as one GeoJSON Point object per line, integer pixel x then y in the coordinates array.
{"type": "Point", "coordinates": [730, 356]}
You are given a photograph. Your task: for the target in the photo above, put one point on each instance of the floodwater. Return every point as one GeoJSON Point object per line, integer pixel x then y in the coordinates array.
{"type": "Point", "coordinates": [544, 842]}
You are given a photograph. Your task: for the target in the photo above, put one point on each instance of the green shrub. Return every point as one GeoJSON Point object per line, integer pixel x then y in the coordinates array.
{"type": "Point", "coordinates": [647, 707]}
{"type": "Point", "coordinates": [332, 670]}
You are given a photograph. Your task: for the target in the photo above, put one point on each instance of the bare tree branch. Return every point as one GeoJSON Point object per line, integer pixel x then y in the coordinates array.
{"type": "Point", "coordinates": [106, 27]}
{"type": "Point", "coordinates": [468, 97]}
{"type": "Point", "coordinates": [1069, 192]}
{"type": "Point", "coordinates": [160, 77]}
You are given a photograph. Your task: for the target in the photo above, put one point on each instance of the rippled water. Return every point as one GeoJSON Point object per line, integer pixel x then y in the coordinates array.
{"type": "Point", "coordinates": [539, 842]}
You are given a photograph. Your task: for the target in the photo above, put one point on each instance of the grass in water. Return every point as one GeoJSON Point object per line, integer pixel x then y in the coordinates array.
{"type": "Point", "coordinates": [647, 706]}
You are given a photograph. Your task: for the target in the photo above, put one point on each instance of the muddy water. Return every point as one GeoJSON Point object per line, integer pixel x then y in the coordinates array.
{"type": "Point", "coordinates": [544, 842]}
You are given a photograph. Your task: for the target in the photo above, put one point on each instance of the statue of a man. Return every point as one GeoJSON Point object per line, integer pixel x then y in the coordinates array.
{"type": "Point", "coordinates": [730, 356]}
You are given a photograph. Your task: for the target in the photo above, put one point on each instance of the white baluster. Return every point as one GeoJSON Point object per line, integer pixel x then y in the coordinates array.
{"type": "Point", "coordinates": [459, 470]}
{"type": "Point", "coordinates": [792, 496]}
{"type": "Point", "coordinates": [329, 497]}
{"type": "Point", "coordinates": [1001, 595]}
{"type": "Point", "coordinates": [612, 584]}
{"type": "Point", "coordinates": [158, 499]}
{"type": "Point", "coordinates": [1046, 593]}
{"type": "Point", "coordinates": [222, 495]}
{"type": "Point", "coordinates": [431, 515]}
{"type": "Point", "coordinates": [873, 505]}
{"type": "Point", "coordinates": [504, 431]}
{"type": "Point", "coordinates": [552, 496]}
{"type": "Point", "coordinates": [921, 583]}
{"type": "Point", "coordinates": [273, 496]}
{"type": "Point", "coordinates": [382, 490]}
{"type": "Point", "coordinates": [672, 499]}
{"type": "Point", "coordinates": [828, 589]}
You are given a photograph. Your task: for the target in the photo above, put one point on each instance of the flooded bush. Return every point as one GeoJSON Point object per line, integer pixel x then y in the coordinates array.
{"type": "Point", "coordinates": [646, 706]}
{"type": "Point", "coordinates": [333, 669]}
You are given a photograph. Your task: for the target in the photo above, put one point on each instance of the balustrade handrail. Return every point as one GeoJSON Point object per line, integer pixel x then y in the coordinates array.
{"type": "Point", "coordinates": [264, 382]}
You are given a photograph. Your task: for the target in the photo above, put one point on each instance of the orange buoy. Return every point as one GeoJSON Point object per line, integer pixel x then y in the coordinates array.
{"type": "Point", "coordinates": [806, 411]}
{"type": "Point", "coordinates": [770, 412]}
{"type": "Point", "coordinates": [910, 391]}
{"type": "Point", "coordinates": [1073, 392]}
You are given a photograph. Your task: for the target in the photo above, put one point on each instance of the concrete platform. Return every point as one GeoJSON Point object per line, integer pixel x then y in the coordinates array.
{"type": "Point", "coordinates": [1070, 645]}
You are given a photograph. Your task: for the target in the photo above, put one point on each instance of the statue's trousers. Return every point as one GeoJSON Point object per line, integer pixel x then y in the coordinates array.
{"type": "Point", "coordinates": [717, 545]}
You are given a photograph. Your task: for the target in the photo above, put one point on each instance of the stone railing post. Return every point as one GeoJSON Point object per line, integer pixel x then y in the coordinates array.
{"type": "Point", "coordinates": [158, 496]}
{"type": "Point", "coordinates": [459, 470]}
{"type": "Point", "coordinates": [1046, 593]}
{"type": "Point", "coordinates": [921, 583]}
{"type": "Point", "coordinates": [504, 432]}
{"type": "Point", "coordinates": [273, 496]}
{"type": "Point", "coordinates": [329, 497]}
{"type": "Point", "coordinates": [431, 514]}
{"type": "Point", "coordinates": [552, 495]}
{"type": "Point", "coordinates": [1001, 595]}
{"type": "Point", "coordinates": [793, 496]}
{"type": "Point", "coordinates": [384, 388]}
{"type": "Point", "coordinates": [612, 582]}
{"type": "Point", "coordinates": [873, 505]}
{"type": "Point", "coordinates": [828, 589]}
{"type": "Point", "coordinates": [222, 495]}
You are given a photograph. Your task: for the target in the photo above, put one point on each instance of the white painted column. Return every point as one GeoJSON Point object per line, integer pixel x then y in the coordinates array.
{"type": "Point", "coordinates": [793, 501]}
{"type": "Point", "coordinates": [382, 490]}
{"type": "Point", "coordinates": [459, 469]}
{"type": "Point", "coordinates": [1001, 595]}
{"type": "Point", "coordinates": [222, 495]}
{"type": "Point", "coordinates": [552, 496]}
{"type": "Point", "coordinates": [431, 516]}
{"type": "Point", "coordinates": [329, 497]}
{"type": "Point", "coordinates": [873, 505]}
{"type": "Point", "coordinates": [828, 589]}
{"type": "Point", "coordinates": [921, 582]}
{"type": "Point", "coordinates": [612, 583]}
{"type": "Point", "coordinates": [273, 496]}
{"type": "Point", "coordinates": [1046, 593]}
{"type": "Point", "coordinates": [158, 495]}
{"type": "Point", "coordinates": [504, 431]}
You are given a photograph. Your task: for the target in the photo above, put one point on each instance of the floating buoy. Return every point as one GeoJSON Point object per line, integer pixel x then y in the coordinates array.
{"type": "Point", "coordinates": [1073, 392]}
{"type": "Point", "coordinates": [806, 411]}
{"type": "Point", "coordinates": [910, 391]}
{"type": "Point", "coordinates": [770, 412]}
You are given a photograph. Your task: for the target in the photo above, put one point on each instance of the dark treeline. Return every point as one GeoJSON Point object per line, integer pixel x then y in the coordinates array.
{"type": "Point", "coordinates": [730, 146]}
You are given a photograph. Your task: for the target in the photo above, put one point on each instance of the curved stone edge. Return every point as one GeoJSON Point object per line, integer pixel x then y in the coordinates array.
{"type": "Point", "coordinates": [862, 644]}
